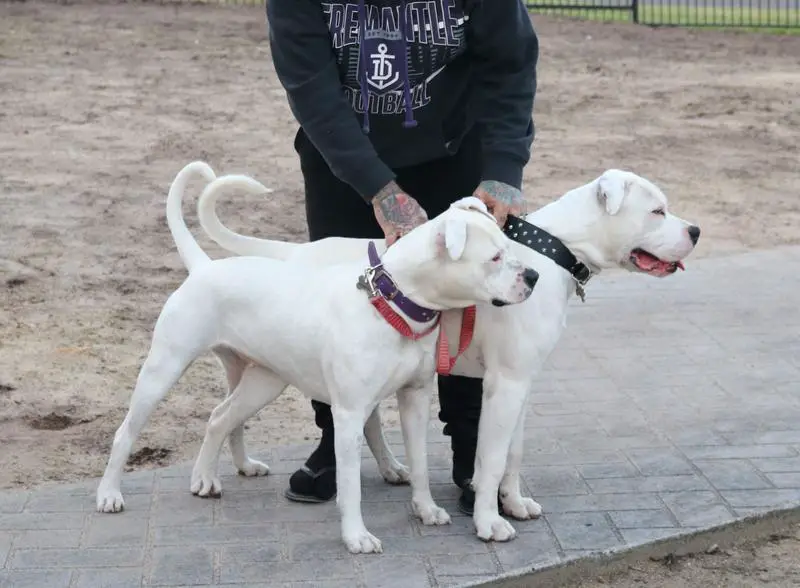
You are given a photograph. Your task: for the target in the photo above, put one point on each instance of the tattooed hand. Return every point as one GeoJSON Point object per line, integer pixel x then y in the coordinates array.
{"type": "Point", "coordinates": [501, 199]}
{"type": "Point", "coordinates": [397, 212]}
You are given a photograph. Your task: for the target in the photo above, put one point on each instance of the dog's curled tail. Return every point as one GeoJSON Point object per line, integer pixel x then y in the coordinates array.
{"type": "Point", "coordinates": [222, 235]}
{"type": "Point", "coordinates": [188, 248]}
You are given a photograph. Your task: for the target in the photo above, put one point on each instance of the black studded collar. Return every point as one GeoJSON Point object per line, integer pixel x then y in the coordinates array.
{"type": "Point", "coordinates": [541, 241]}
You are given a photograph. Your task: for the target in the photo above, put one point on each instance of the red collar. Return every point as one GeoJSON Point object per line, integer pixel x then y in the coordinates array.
{"type": "Point", "coordinates": [444, 363]}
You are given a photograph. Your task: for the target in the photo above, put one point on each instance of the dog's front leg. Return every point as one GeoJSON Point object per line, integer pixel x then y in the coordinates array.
{"type": "Point", "coordinates": [348, 439]}
{"type": "Point", "coordinates": [414, 405]}
{"type": "Point", "coordinates": [514, 503]}
{"type": "Point", "coordinates": [392, 470]}
{"type": "Point", "coordinates": [503, 403]}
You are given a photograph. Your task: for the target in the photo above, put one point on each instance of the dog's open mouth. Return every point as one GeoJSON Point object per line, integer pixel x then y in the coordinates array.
{"type": "Point", "coordinates": [652, 265]}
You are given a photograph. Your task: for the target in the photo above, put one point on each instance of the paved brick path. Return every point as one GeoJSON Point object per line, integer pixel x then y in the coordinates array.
{"type": "Point", "coordinates": [670, 405]}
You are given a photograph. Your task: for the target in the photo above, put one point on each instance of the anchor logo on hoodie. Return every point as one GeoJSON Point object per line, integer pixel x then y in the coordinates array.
{"type": "Point", "coordinates": [383, 72]}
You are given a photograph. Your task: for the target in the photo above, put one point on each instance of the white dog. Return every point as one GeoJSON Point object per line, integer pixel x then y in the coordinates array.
{"type": "Point", "coordinates": [273, 324]}
{"type": "Point", "coordinates": [618, 220]}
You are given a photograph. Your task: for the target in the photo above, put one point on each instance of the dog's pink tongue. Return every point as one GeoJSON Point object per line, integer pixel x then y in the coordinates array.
{"type": "Point", "coordinates": [680, 265]}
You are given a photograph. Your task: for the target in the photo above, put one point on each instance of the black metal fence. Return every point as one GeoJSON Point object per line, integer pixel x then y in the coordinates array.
{"type": "Point", "coordinates": [776, 14]}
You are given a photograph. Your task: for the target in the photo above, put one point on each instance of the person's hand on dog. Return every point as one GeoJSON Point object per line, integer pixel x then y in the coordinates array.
{"type": "Point", "coordinates": [501, 200]}
{"type": "Point", "coordinates": [397, 212]}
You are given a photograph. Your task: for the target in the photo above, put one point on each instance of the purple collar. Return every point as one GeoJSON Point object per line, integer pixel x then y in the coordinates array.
{"type": "Point", "coordinates": [378, 282]}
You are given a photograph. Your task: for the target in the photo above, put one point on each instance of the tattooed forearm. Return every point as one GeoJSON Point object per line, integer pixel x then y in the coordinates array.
{"type": "Point", "coordinates": [396, 208]}
{"type": "Point", "coordinates": [501, 192]}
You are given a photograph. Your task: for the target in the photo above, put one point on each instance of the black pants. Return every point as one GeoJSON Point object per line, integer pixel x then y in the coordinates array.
{"type": "Point", "coordinates": [334, 209]}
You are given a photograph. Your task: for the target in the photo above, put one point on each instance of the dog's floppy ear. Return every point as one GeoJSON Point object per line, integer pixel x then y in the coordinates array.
{"type": "Point", "coordinates": [472, 203]}
{"type": "Point", "coordinates": [451, 237]}
{"type": "Point", "coordinates": [612, 188]}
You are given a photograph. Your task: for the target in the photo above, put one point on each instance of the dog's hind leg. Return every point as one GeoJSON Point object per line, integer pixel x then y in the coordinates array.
{"type": "Point", "coordinates": [235, 366]}
{"type": "Point", "coordinates": [514, 503]}
{"type": "Point", "coordinates": [392, 470]}
{"type": "Point", "coordinates": [168, 358]}
{"type": "Point", "coordinates": [414, 405]}
{"type": "Point", "coordinates": [257, 388]}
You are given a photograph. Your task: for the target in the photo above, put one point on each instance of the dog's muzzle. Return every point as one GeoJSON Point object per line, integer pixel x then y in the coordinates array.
{"type": "Point", "coordinates": [529, 278]}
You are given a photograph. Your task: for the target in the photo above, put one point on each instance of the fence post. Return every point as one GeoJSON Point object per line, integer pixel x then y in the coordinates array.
{"type": "Point", "coordinates": [635, 11]}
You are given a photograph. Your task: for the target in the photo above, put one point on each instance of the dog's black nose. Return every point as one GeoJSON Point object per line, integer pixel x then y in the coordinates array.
{"type": "Point", "coordinates": [694, 234]}
{"type": "Point", "coordinates": [530, 277]}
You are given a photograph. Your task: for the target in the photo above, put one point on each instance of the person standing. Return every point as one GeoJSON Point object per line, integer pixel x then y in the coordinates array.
{"type": "Point", "coordinates": [405, 106]}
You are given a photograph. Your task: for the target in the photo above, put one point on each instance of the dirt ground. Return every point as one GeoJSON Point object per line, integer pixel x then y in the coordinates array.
{"type": "Point", "coordinates": [100, 106]}
{"type": "Point", "coordinates": [772, 562]}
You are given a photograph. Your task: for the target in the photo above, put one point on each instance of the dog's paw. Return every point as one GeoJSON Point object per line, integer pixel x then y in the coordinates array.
{"type": "Point", "coordinates": [206, 486]}
{"type": "Point", "coordinates": [253, 468]}
{"type": "Point", "coordinates": [362, 542]}
{"type": "Point", "coordinates": [109, 500]}
{"type": "Point", "coordinates": [493, 527]}
{"type": "Point", "coordinates": [521, 508]}
{"type": "Point", "coordinates": [431, 514]}
{"type": "Point", "coordinates": [396, 473]}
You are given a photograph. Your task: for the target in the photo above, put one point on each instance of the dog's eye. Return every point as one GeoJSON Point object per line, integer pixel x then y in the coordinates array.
{"type": "Point", "coordinates": [659, 212]}
{"type": "Point", "coordinates": [497, 257]}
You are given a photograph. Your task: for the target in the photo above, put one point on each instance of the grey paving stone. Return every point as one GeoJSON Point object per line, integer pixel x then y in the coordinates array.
{"type": "Point", "coordinates": [110, 578]}
{"type": "Point", "coordinates": [622, 469]}
{"type": "Point", "coordinates": [176, 510]}
{"type": "Point", "coordinates": [5, 548]}
{"type": "Point", "coordinates": [58, 503]}
{"type": "Point", "coordinates": [77, 558]}
{"type": "Point", "coordinates": [739, 452]}
{"type": "Point", "coordinates": [111, 530]}
{"type": "Point", "coordinates": [288, 513]}
{"type": "Point", "coordinates": [210, 535]}
{"type": "Point", "coordinates": [436, 545]}
{"type": "Point", "coordinates": [39, 521]}
{"type": "Point", "coordinates": [584, 531]}
{"type": "Point", "coordinates": [184, 565]}
{"type": "Point", "coordinates": [732, 474]}
{"type": "Point", "coordinates": [461, 581]}
{"type": "Point", "coordinates": [558, 480]}
{"type": "Point", "coordinates": [770, 498]}
{"type": "Point", "coordinates": [13, 501]}
{"type": "Point", "coordinates": [660, 462]}
{"type": "Point", "coordinates": [46, 539]}
{"type": "Point", "coordinates": [534, 548]}
{"type": "Point", "coordinates": [688, 438]}
{"type": "Point", "coordinates": [642, 519]}
{"type": "Point", "coordinates": [35, 579]}
{"type": "Point", "coordinates": [282, 571]}
{"type": "Point", "coordinates": [464, 565]}
{"type": "Point", "coordinates": [697, 509]}
{"type": "Point", "coordinates": [395, 572]}
{"type": "Point", "coordinates": [319, 584]}
{"type": "Point", "coordinates": [779, 464]}
{"type": "Point", "coordinates": [599, 502]}
{"type": "Point", "coordinates": [787, 480]}
{"type": "Point", "coordinates": [635, 537]}
{"type": "Point", "coordinates": [648, 484]}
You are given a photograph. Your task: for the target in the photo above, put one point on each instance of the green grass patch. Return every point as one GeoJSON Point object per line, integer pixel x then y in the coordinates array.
{"type": "Point", "coordinates": [783, 19]}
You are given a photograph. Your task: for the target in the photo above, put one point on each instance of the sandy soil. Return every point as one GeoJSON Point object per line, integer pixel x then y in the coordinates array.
{"type": "Point", "coordinates": [101, 105]}
{"type": "Point", "coordinates": [773, 562]}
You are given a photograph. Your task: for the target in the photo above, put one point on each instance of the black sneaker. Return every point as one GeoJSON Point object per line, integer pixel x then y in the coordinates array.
{"type": "Point", "coordinates": [307, 486]}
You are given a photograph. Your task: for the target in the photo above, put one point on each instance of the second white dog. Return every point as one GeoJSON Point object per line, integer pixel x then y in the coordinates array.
{"type": "Point", "coordinates": [618, 220]}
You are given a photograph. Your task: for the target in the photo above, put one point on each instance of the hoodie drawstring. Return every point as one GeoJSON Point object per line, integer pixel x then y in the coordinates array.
{"type": "Point", "coordinates": [409, 122]}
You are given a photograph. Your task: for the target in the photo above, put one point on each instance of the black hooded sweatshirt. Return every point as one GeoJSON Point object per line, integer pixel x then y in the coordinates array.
{"type": "Point", "coordinates": [428, 70]}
